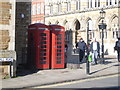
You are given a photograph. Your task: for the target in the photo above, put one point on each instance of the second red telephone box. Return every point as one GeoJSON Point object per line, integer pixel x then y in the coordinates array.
{"type": "Point", "coordinates": [39, 46]}
{"type": "Point", "coordinates": [57, 46]}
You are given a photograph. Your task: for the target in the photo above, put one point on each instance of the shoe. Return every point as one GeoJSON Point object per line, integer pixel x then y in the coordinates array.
{"type": "Point", "coordinates": [93, 64]}
{"type": "Point", "coordinates": [80, 67]}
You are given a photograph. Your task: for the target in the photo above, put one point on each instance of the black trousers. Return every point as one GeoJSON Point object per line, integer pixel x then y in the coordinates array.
{"type": "Point", "coordinates": [81, 55]}
{"type": "Point", "coordinates": [118, 55]}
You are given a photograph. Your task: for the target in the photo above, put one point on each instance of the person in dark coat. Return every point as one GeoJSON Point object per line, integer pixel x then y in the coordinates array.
{"type": "Point", "coordinates": [117, 48]}
{"type": "Point", "coordinates": [81, 45]}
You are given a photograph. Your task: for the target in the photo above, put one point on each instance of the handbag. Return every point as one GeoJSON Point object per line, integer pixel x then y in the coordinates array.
{"type": "Point", "coordinates": [90, 58]}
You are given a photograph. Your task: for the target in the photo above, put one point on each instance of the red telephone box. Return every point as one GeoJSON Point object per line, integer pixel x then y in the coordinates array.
{"type": "Point", "coordinates": [57, 46]}
{"type": "Point", "coordinates": [39, 46]}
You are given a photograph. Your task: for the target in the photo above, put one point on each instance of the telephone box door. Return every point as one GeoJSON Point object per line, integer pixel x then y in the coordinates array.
{"type": "Point", "coordinates": [57, 59]}
{"type": "Point", "coordinates": [39, 46]}
{"type": "Point", "coordinates": [43, 61]}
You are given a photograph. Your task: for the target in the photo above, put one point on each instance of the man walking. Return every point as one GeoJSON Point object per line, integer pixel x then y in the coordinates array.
{"type": "Point", "coordinates": [81, 47]}
{"type": "Point", "coordinates": [95, 49]}
{"type": "Point", "coordinates": [117, 48]}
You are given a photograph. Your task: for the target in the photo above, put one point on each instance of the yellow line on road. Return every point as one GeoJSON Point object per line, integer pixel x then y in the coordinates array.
{"type": "Point", "coordinates": [73, 82]}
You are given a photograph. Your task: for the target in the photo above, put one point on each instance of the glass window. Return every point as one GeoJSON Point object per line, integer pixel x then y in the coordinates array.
{"type": "Point", "coordinates": [91, 4]}
{"type": "Point", "coordinates": [59, 42]}
{"type": "Point", "coordinates": [95, 3]}
{"type": "Point", "coordinates": [43, 42]}
{"type": "Point", "coordinates": [43, 50]}
{"type": "Point", "coordinates": [98, 3]}
{"type": "Point", "coordinates": [42, 58]}
{"type": "Point", "coordinates": [43, 46]}
{"type": "Point", "coordinates": [88, 3]}
{"type": "Point", "coordinates": [116, 34]}
{"type": "Point", "coordinates": [42, 8]}
{"type": "Point", "coordinates": [59, 50]}
{"type": "Point", "coordinates": [59, 58]}
{"type": "Point", "coordinates": [68, 6]}
{"type": "Point", "coordinates": [59, 54]}
{"type": "Point", "coordinates": [77, 5]}
{"type": "Point", "coordinates": [43, 38]}
{"type": "Point", "coordinates": [38, 8]}
{"type": "Point", "coordinates": [58, 62]}
{"type": "Point", "coordinates": [59, 7]}
{"type": "Point", "coordinates": [113, 34]}
{"type": "Point", "coordinates": [59, 39]}
{"type": "Point", "coordinates": [34, 9]}
{"type": "Point", "coordinates": [106, 2]}
{"type": "Point", "coordinates": [59, 35]}
{"type": "Point", "coordinates": [42, 62]}
{"type": "Point", "coordinates": [115, 1]}
{"type": "Point", "coordinates": [51, 9]}
{"type": "Point", "coordinates": [42, 54]}
{"type": "Point", "coordinates": [59, 46]}
{"type": "Point", "coordinates": [110, 2]}
{"type": "Point", "coordinates": [43, 34]}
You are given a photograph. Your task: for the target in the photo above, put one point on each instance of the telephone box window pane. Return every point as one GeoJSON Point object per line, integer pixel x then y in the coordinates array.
{"type": "Point", "coordinates": [59, 39]}
{"type": "Point", "coordinates": [59, 50]}
{"type": "Point", "coordinates": [58, 62]}
{"type": "Point", "coordinates": [43, 62]}
{"type": "Point", "coordinates": [42, 58]}
{"type": "Point", "coordinates": [59, 54]}
{"type": "Point", "coordinates": [59, 35]}
{"type": "Point", "coordinates": [43, 38]}
{"type": "Point", "coordinates": [43, 50]}
{"type": "Point", "coordinates": [42, 54]}
{"type": "Point", "coordinates": [59, 42]}
{"type": "Point", "coordinates": [59, 58]}
{"type": "Point", "coordinates": [43, 34]}
{"type": "Point", "coordinates": [59, 46]}
{"type": "Point", "coordinates": [43, 42]}
{"type": "Point", "coordinates": [43, 46]}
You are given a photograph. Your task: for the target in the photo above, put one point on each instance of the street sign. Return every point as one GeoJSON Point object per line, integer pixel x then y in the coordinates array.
{"type": "Point", "coordinates": [6, 59]}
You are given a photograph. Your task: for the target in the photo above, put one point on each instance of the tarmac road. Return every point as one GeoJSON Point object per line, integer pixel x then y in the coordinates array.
{"type": "Point", "coordinates": [99, 82]}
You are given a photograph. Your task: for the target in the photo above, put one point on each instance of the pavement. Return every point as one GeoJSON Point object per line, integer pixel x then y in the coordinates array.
{"type": "Point", "coordinates": [53, 76]}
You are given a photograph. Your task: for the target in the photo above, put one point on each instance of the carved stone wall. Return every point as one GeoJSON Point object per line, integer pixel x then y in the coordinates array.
{"type": "Point", "coordinates": [7, 34]}
{"type": "Point", "coordinates": [4, 40]}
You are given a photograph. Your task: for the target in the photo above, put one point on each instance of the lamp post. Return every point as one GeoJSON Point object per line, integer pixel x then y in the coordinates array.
{"type": "Point", "coordinates": [102, 26]}
{"type": "Point", "coordinates": [87, 63]}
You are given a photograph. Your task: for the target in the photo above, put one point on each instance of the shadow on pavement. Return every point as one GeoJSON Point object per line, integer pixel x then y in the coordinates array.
{"type": "Point", "coordinates": [26, 72]}
{"type": "Point", "coordinates": [103, 69]}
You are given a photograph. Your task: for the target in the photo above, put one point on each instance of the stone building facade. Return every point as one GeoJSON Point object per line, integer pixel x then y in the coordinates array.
{"type": "Point", "coordinates": [38, 11]}
{"type": "Point", "coordinates": [7, 34]}
{"type": "Point", "coordinates": [78, 15]}
{"type": "Point", "coordinates": [15, 16]}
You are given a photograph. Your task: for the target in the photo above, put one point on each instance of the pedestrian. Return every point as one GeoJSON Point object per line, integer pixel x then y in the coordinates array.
{"type": "Point", "coordinates": [66, 48]}
{"type": "Point", "coordinates": [74, 49]}
{"type": "Point", "coordinates": [82, 48]}
{"type": "Point", "coordinates": [95, 50]}
{"type": "Point", "coordinates": [117, 48]}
